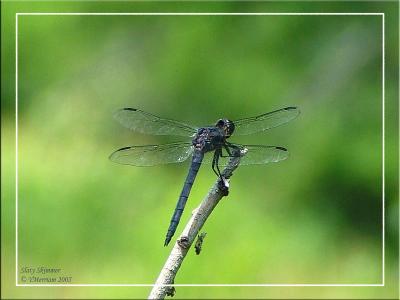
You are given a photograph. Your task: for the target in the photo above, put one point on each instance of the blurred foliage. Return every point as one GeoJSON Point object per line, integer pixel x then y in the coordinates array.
{"type": "Point", "coordinates": [315, 218]}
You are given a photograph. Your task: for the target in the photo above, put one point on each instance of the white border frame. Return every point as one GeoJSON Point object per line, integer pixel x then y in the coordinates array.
{"type": "Point", "coordinates": [203, 14]}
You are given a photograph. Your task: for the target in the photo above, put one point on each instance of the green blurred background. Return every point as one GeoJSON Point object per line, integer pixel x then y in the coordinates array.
{"type": "Point", "coordinates": [314, 218]}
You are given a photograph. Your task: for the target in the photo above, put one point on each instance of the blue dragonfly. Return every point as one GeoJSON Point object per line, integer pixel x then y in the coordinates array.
{"type": "Point", "coordinates": [208, 139]}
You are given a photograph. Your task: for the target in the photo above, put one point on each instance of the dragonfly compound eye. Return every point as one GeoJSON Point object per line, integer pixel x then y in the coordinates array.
{"type": "Point", "coordinates": [230, 127]}
{"type": "Point", "coordinates": [220, 123]}
{"type": "Point", "coordinates": [226, 125]}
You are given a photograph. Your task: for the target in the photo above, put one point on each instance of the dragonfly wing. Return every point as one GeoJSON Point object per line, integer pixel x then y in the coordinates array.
{"type": "Point", "coordinates": [265, 121]}
{"type": "Point", "coordinates": [151, 155]}
{"type": "Point", "coordinates": [259, 154]}
{"type": "Point", "coordinates": [147, 123]}
{"type": "Point", "coordinates": [251, 155]}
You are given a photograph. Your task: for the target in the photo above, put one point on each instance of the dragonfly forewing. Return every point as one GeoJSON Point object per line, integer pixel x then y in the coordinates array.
{"type": "Point", "coordinates": [265, 121]}
{"type": "Point", "coordinates": [146, 123]}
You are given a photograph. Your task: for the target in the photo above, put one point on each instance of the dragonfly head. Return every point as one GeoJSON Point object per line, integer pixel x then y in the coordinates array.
{"type": "Point", "coordinates": [227, 126]}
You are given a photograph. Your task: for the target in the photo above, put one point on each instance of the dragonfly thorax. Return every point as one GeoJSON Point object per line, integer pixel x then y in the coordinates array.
{"type": "Point", "coordinates": [208, 139]}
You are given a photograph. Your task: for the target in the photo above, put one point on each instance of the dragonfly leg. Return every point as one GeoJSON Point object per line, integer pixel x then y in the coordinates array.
{"type": "Point", "coordinates": [228, 147]}
{"type": "Point", "coordinates": [214, 163]}
{"type": "Point", "coordinates": [217, 155]}
{"type": "Point", "coordinates": [228, 150]}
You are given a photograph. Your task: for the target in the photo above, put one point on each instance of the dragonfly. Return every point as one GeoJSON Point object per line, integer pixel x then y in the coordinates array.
{"type": "Point", "coordinates": [204, 141]}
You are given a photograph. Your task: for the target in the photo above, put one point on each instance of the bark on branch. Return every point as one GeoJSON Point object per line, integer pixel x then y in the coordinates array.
{"type": "Point", "coordinates": [165, 279]}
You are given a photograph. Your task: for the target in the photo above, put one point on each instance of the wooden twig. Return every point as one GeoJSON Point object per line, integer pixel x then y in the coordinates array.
{"type": "Point", "coordinates": [165, 280]}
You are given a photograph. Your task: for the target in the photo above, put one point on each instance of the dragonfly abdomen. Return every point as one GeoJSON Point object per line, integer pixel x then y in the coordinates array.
{"type": "Point", "coordinates": [180, 206]}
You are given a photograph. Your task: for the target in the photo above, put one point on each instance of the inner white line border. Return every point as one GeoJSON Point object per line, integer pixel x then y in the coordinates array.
{"type": "Point", "coordinates": [201, 14]}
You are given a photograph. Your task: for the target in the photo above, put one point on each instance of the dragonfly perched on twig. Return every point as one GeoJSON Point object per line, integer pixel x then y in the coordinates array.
{"type": "Point", "coordinates": [204, 139]}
